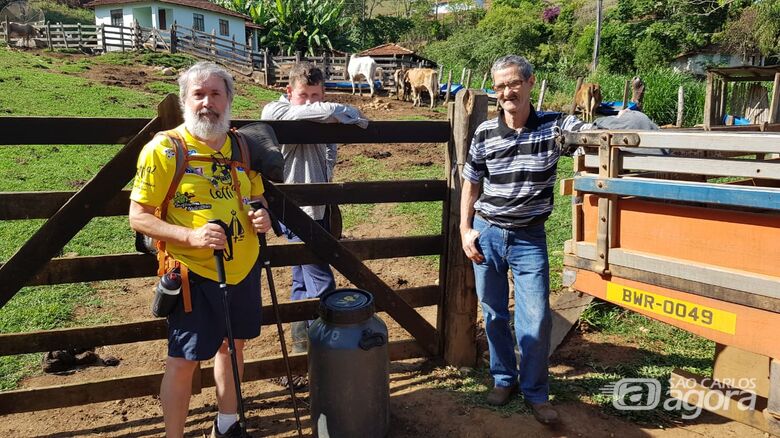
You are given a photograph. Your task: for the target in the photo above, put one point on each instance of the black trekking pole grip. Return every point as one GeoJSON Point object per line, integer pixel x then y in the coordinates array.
{"type": "Point", "coordinates": [257, 205]}
{"type": "Point", "coordinates": [218, 255]}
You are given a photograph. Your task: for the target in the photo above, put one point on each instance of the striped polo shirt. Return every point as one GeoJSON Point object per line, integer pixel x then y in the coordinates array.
{"type": "Point", "coordinates": [518, 167]}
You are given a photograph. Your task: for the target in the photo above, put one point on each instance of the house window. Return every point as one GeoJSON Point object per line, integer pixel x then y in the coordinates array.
{"type": "Point", "coordinates": [197, 22]}
{"type": "Point", "coordinates": [117, 18]}
{"type": "Point", "coordinates": [224, 27]}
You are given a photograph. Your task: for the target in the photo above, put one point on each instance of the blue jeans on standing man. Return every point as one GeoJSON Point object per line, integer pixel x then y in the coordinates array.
{"type": "Point", "coordinates": [524, 252]}
{"type": "Point", "coordinates": [308, 281]}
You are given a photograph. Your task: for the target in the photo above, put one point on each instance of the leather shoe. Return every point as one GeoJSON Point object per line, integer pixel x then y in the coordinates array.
{"type": "Point", "coordinates": [544, 412]}
{"type": "Point", "coordinates": [500, 395]}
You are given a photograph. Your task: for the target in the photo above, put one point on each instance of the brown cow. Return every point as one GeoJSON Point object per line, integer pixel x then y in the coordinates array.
{"type": "Point", "coordinates": [402, 88]}
{"type": "Point", "coordinates": [23, 31]}
{"type": "Point", "coordinates": [423, 79]}
{"type": "Point", "coordinates": [588, 98]}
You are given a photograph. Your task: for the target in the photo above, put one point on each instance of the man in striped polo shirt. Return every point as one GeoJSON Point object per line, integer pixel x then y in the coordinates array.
{"type": "Point", "coordinates": [514, 157]}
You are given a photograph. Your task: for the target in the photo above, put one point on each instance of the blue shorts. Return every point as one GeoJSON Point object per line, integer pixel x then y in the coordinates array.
{"type": "Point", "coordinates": [198, 335]}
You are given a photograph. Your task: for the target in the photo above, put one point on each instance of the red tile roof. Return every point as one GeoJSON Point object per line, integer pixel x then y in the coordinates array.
{"type": "Point", "coordinates": [388, 49]}
{"type": "Point", "coordinates": [197, 4]}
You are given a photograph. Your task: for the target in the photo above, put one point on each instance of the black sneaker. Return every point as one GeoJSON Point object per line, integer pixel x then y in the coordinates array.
{"type": "Point", "coordinates": [233, 432]}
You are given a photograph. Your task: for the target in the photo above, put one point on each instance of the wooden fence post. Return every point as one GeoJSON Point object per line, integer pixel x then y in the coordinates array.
{"type": "Point", "coordinates": [449, 87]}
{"type": "Point", "coordinates": [137, 36]}
{"type": "Point", "coordinates": [346, 64]}
{"type": "Point", "coordinates": [173, 38]}
{"type": "Point", "coordinates": [268, 66]}
{"type": "Point", "coordinates": [7, 31]}
{"type": "Point", "coordinates": [64, 35]}
{"type": "Point", "coordinates": [708, 101]}
{"type": "Point", "coordinates": [48, 36]}
{"type": "Point", "coordinates": [462, 75]}
{"type": "Point", "coordinates": [297, 56]}
{"type": "Point", "coordinates": [774, 104]}
{"type": "Point", "coordinates": [325, 64]}
{"type": "Point", "coordinates": [467, 84]}
{"type": "Point", "coordinates": [484, 81]}
{"type": "Point", "coordinates": [542, 92]}
{"type": "Point", "coordinates": [458, 315]}
{"type": "Point", "coordinates": [680, 106]}
{"type": "Point", "coordinates": [625, 94]}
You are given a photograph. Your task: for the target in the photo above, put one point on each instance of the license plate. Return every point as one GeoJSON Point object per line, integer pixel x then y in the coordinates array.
{"type": "Point", "coordinates": [680, 310]}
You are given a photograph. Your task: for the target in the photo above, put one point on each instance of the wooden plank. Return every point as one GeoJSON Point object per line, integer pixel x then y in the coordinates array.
{"type": "Point", "coordinates": [37, 205]}
{"type": "Point", "coordinates": [119, 266]}
{"type": "Point", "coordinates": [753, 328]}
{"type": "Point", "coordinates": [718, 194]}
{"type": "Point", "coordinates": [79, 210]}
{"type": "Point", "coordinates": [730, 239]}
{"type": "Point", "coordinates": [118, 388]}
{"type": "Point", "coordinates": [150, 330]}
{"type": "Point", "coordinates": [670, 282]}
{"type": "Point", "coordinates": [696, 166]}
{"type": "Point", "coordinates": [730, 140]}
{"type": "Point", "coordinates": [690, 270]}
{"type": "Point", "coordinates": [81, 130]}
{"type": "Point", "coordinates": [432, 131]}
{"type": "Point", "coordinates": [566, 311]}
{"type": "Point", "coordinates": [331, 251]}
{"type": "Point", "coordinates": [774, 106]}
{"type": "Point", "coordinates": [69, 130]}
{"type": "Point", "coordinates": [742, 369]}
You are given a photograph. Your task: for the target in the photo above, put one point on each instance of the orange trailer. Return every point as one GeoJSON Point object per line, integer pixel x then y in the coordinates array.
{"type": "Point", "coordinates": [684, 227]}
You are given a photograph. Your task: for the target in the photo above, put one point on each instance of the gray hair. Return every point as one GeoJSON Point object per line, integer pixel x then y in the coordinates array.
{"type": "Point", "coordinates": [203, 70]}
{"type": "Point", "coordinates": [522, 64]}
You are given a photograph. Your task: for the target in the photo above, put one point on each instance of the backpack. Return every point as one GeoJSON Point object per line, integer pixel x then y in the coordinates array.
{"type": "Point", "coordinates": [145, 244]}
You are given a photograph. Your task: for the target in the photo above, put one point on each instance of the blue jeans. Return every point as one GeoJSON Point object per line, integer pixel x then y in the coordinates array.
{"type": "Point", "coordinates": [308, 281]}
{"type": "Point", "coordinates": [524, 252]}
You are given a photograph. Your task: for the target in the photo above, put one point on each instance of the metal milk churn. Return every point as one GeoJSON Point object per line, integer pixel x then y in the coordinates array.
{"type": "Point", "coordinates": [349, 382]}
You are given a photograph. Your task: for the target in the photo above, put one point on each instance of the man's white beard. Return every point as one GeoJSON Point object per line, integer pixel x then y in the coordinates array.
{"type": "Point", "coordinates": [202, 127]}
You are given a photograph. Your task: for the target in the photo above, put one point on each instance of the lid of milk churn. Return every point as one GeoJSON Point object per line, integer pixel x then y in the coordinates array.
{"type": "Point", "coordinates": [346, 306]}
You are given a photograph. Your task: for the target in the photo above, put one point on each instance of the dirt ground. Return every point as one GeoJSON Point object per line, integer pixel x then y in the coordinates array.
{"type": "Point", "coordinates": [418, 408]}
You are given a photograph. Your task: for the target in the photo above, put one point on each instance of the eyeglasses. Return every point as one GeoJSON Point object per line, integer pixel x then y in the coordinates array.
{"type": "Point", "coordinates": [513, 85]}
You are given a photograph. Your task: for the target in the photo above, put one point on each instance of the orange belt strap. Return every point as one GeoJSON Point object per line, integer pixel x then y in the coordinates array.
{"type": "Point", "coordinates": [185, 288]}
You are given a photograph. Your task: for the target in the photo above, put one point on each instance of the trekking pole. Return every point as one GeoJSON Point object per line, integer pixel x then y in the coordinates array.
{"type": "Point", "coordinates": [231, 342]}
{"type": "Point", "coordinates": [257, 205]}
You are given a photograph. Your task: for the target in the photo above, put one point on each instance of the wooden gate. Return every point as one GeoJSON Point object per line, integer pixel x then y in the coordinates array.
{"type": "Point", "coordinates": [34, 263]}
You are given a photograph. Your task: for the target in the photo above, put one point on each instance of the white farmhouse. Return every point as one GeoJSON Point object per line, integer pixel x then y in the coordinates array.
{"type": "Point", "coordinates": [199, 15]}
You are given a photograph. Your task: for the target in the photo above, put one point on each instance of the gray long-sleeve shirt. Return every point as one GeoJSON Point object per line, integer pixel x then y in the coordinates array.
{"type": "Point", "coordinates": [311, 163]}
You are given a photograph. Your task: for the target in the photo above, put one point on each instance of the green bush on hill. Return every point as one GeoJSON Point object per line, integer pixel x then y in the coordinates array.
{"type": "Point", "coordinates": [56, 12]}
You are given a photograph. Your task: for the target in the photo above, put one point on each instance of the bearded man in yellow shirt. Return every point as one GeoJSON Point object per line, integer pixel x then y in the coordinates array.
{"type": "Point", "coordinates": [209, 189]}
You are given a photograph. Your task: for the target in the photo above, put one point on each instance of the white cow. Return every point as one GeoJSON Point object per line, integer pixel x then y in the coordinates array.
{"type": "Point", "coordinates": [362, 67]}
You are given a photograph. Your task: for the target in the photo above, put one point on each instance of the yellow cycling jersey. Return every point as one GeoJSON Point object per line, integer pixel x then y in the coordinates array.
{"type": "Point", "coordinates": [206, 192]}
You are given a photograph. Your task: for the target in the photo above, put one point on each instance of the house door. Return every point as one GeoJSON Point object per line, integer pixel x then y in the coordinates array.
{"type": "Point", "coordinates": [161, 19]}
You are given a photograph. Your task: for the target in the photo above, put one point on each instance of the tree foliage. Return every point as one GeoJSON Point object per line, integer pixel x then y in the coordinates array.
{"type": "Point", "coordinates": [309, 26]}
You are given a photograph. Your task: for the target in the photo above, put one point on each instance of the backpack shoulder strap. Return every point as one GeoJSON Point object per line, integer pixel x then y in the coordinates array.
{"type": "Point", "coordinates": [181, 154]}
{"type": "Point", "coordinates": [240, 149]}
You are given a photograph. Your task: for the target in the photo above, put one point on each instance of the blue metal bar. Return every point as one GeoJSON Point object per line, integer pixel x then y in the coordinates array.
{"type": "Point", "coordinates": [742, 196]}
